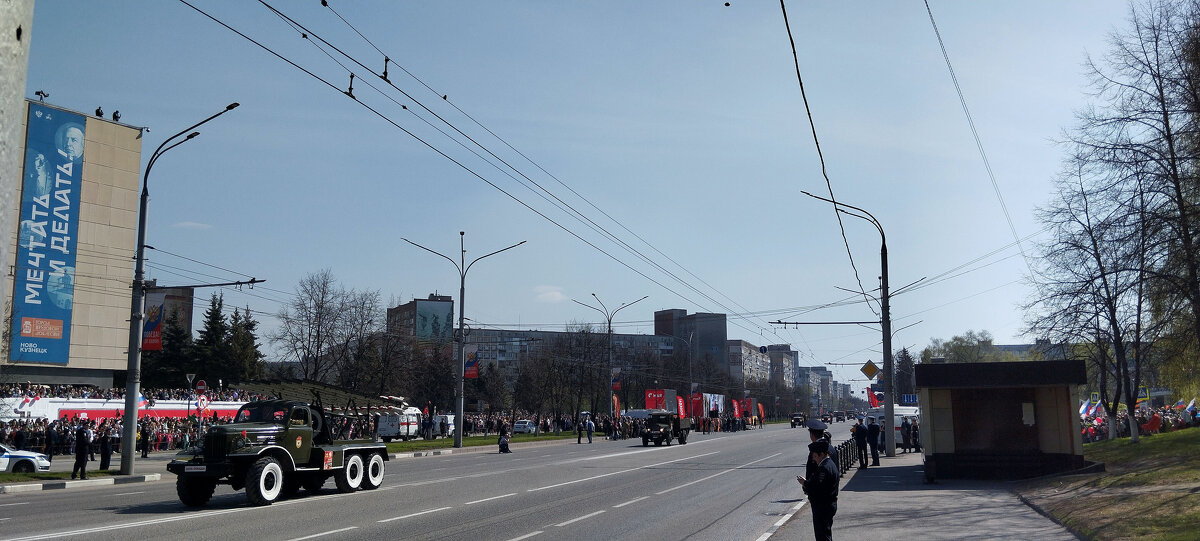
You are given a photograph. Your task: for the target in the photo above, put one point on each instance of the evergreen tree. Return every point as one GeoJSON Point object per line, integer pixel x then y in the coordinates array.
{"type": "Point", "coordinates": [244, 347]}
{"type": "Point", "coordinates": [168, 368]}
{"type": "Point", "coordinates": [214, 349]}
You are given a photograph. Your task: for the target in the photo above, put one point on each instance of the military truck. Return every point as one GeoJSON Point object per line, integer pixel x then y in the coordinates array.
{"type": "Point", "coordinates": [272, 449]}
{"type": "Point", "coordinates": [663, 425]}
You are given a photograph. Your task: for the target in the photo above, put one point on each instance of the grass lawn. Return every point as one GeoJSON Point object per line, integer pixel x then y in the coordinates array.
{"type": "Point", "coordinates": [475, 441]}
{"type": "Point", "coordinates": [6, 478]}
{"type": "Point", "coordinates": [1151, 490]}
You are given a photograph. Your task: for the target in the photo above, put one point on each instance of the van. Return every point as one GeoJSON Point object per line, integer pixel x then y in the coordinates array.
{"type": "Point", "coordinates": [404, 424]}
{"type": "Point", "coordinates": [899, 413]}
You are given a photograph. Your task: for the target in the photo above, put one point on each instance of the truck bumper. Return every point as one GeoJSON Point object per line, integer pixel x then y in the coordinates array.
{"type": "Point", "coordinates": [194, 468]}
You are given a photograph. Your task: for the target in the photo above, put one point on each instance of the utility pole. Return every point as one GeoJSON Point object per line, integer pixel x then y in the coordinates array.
{"type": "Point", "coordinates": [608, 316]}
{"type": "Point", "coordinates": [133, 377]}
{"type": "Point", "coordinates": [461, 335]}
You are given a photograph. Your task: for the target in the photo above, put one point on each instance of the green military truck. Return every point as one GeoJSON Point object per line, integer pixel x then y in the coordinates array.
{"type": "Point", "coordinates": [272, 449]}
{"type": "Point", "coordinates": [663, 425]}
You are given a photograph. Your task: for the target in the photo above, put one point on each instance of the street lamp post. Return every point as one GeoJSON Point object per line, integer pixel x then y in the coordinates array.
{"type": "Point", "coordinates": [133, 374]}
{"type": "Point", "coordinates": [461, 337]}
{"type": "Point", "coordinates": [889, 407]}
{"type": "Point", "coordinates": [608, 316]}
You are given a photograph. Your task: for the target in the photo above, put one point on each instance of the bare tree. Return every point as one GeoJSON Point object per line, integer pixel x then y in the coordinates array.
{"type": "Point", "coordinates": [308, 325]}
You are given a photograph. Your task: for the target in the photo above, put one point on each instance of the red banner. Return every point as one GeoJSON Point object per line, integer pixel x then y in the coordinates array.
{"type": "Point", "coordinates": [737, 408]}
{"type": "Point", "coordinates": [679, 399]}
{"type": "Point", "coordinates": [655, 399]}
{"type": "Point", "coordinates": [616, 405]}
{"type": "Point", "coordinates": [746, 409]}
{"type": "Point", "coordinates": [761, 414]}
{"type": "Point", "coordinates": [471, 366]}
{"type": "Point", "coordinates": [697, 405]}
{"type": "Point", "coordinates": [873, 399]}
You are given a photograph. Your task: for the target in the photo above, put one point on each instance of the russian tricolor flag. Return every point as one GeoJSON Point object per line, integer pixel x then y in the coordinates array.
{"type": "Point", "coordinates": [1085, 407]}
{"type": "Point", "coordinates": [1191, 407]}
{"type": "Point", "coordinates": [142, 402]}
{"type": "Point", "coordinates": [1179, 405]}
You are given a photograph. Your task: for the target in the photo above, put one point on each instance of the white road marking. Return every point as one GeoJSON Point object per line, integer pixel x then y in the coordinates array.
{"type": "Point", "coordinates": [490, 499]}
{"type": "Point", "coordinates": [415, 514]}
{"type": "Point", "coordinates": [779, 523]}
{"type": "Point", "coordinates": [635, 500]}
{"type": "Point", "coordinates": [577, 519]}
{"type": "Point", "coordinates": [325, 533]}
{"type": "Point", "coordinates": [130, 493]}
{"type": "Point", "coordinates": [714, 475]}
{"type": "Point", "coordinates": [3, 519]}
{"type": "Point", "coordinates": [526, 536]}
{"type": "Point", "coordinates": [11, 504]}
{"type": "Point", "coordinates": [618, 472]}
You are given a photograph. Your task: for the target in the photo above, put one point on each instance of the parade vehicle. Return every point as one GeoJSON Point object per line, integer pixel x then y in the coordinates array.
{"type": "Point", "coordinates": [827, 418]}
{"type": "Point", "coordinates": [839, 416]}
{"type": "Point", "coordinates": [798, 419]}
{"type": "Point", "coordinates": [272, 449]}
{"type": "Point", "coordinates": [402, 425]}
{"type": "Point", "coordinates": [663, 426]}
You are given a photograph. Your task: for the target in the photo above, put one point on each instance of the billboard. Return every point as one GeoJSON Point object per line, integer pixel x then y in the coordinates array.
{"type": "Point", "coordinates": [435, 320]}
{"type": "Point", "coordinates": [471, 368]}
{"type": "Point", "coordinates": [155, 320]}
{"type": "Point", "coordinates": [44, 279]}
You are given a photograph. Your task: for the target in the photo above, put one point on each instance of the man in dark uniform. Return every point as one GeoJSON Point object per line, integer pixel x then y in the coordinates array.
{"type": "Point", "coordinates": [816, 431]}
{"type": "Point", "coordinates": [860, 441]}
{"type": "Point", "coordinates": [873, 440]}
{"type": "Point", "coordinates": [105, 446]}
{"type": "Point", "coordinates": [822, 490]}
{"type": "Point", "coordinates": [83, 446]}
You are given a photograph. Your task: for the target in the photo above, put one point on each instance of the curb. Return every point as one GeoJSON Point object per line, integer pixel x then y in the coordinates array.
{"type": "Point", "coordinates": [82, 483]}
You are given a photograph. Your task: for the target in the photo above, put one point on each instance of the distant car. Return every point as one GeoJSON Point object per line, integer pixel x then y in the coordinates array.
{"type": "Point", "coordinates": [14, 461]}
{"type": "Point", "coordinates": [798, 419]}
{"type": "Point", "coordinates": [826, 418]}
{"type": "Point", "coordinates": [524, 426]}
{"type": "Point", "coordinates": [839, 416]}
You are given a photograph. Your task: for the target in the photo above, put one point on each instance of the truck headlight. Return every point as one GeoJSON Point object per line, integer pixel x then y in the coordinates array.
{"type": "Point", "coordinates": [240, 442]}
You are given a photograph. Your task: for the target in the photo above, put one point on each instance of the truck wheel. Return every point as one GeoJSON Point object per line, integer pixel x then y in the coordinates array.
{"type": "Point", "coordinates": [387, 439]}
{"type": "Point", "coordinates": [313, 483]}
{"type": "Point", "coordinates": [645, 442]}
{"type": "Point", "coordinates": [193, 491]}
{"type": "Point", "coordinates": [351, 476]}
{"type": "Point", "coordinates": [374, 471]}
{"type": "Point", "coordinates": [264, 481]}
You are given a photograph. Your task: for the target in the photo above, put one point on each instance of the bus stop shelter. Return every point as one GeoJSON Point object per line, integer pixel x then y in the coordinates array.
{"type": "Point", "coordinates": [1008, 420]}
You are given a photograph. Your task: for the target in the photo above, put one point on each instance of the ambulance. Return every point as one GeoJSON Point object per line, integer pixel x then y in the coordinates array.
{"type": "Point", "coordinates": [403, 425]}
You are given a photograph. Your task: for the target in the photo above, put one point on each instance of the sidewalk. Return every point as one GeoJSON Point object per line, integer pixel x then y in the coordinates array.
{"type": "Point", "coordinates": [893, 499]}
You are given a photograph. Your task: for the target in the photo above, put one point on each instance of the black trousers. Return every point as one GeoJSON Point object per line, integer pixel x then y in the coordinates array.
{"type": "Point", "coordinates": [862, 454]}
{"type": "Point", "coordinates": [823, 520]}
{"type": "Point", "coordinates": [874, 455]}
{"type": "Point", "coordinates": [80, 467]}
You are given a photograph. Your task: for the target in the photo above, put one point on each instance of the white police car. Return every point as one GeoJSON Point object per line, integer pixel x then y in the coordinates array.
{"type": "Point", "coordinates": [14, 461]}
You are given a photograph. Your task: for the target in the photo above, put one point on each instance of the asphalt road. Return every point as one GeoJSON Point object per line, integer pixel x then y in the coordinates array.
{"type": "Point", "coordinates": [727, 486]}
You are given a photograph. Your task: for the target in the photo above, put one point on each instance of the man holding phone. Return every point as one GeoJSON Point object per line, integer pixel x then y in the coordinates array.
{"type": "Point", "coordinates": [822, 490]}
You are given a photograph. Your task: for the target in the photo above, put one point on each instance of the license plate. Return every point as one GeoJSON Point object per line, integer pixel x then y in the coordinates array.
{"type": "Point", "coordinates": [199, 469]}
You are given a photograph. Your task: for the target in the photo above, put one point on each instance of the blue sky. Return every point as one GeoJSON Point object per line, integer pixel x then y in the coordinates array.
{"type": "Point", "coordinates": [682, 121]}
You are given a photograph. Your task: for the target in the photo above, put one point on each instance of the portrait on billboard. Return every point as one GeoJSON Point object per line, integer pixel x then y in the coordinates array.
{"type": "Point", "coordinates": [435, 320]}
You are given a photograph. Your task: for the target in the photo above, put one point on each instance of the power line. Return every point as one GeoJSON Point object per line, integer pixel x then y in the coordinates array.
{"type": "Point", "coordinates": [978, 142]}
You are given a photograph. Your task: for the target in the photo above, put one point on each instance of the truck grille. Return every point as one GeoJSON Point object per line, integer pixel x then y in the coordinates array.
{"type": "Point", "coordinates": [214, 446]}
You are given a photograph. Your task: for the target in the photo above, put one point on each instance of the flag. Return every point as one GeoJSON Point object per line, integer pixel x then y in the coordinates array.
{"type": "Point", "coordinates": [142, 402]}
{"type": "Point", "coordinates": [1179, 405]}
{"type": "Point", "coordinates": [1096, 409]}
{"type": "Point", "coordinates": [1191, 407]}
{"type": "Point", "coordinates": [873, 398]}
{"type": "Point", "coordinates": [1083, 408]}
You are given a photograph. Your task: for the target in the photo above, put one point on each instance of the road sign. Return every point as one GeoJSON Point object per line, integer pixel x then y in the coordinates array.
{"type": "Point", "coordinates": [201, 386]}
{"type": "Point", "coordinates": [202, 403]}
{"type": "Point", "coordinates": [191, 377]}
{"type": "Point", "coordinates": [870, 370]}
{"type": "Point", "coordinates": [1095, 398]}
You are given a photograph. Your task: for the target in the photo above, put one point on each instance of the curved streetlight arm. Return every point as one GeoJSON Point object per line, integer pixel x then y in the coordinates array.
{"type": "Point", "coordinates": [869, 217]}
{"type": "Point", "coordinates": [871, 220]}
{"type": "Point", "coordinates": [602, 305]}
{"type": "Point", "coordinates": [491, 254]}
{"type": "Point", "coordinates": [159, 150]}
{"type": "Point", "coordinates": [452, 262]}
{"type": "Point", "coordinates": [624, 306]}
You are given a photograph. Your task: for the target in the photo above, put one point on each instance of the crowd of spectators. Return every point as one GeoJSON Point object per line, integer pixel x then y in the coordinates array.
{"type": "Point", "coordinates": [31, 390]}
{"type": "Point", "coordinates": [1148, 420]}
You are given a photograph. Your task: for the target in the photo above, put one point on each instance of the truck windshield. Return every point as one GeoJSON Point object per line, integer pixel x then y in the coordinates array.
{"type": "Point", "coordinates": [258, 413]}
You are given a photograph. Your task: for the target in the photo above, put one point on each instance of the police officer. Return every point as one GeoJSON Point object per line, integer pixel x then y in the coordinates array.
{"type": "Point", "coordinates": [816, 431]}
{"type": "Point", "coordinates": [873, 431]}
{"type": "Point", "coordinates": [822, 490]}
{"type": "Point", "coordinates": [83, 446]}
{"type": "Point", "coordinates": [860, 441]}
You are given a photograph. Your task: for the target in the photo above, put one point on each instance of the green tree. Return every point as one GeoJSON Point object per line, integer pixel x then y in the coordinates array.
{"type": "Point", "coordinates": [213, 346]}
{"type": "Point", "coordinates": [243, 343]}
{"type": "Point", "coordinates": [905, 373]}
{"type": "Point", "coordinates": [168, 367]}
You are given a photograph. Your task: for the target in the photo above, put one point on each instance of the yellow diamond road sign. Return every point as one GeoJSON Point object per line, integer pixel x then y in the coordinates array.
{"type": "Point", "coordinates": [870, 370]}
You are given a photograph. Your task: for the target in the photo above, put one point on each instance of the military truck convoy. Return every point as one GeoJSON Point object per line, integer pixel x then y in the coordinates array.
{"type": "Point", "coordinates": [663, 425]}
{"type": "Point", "coordinates": [272, 449]}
